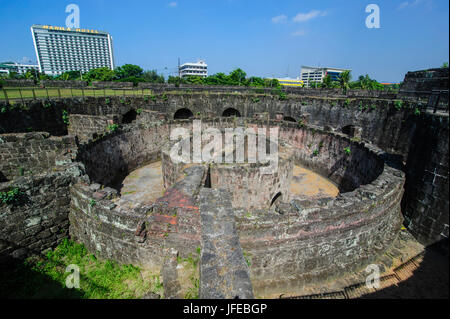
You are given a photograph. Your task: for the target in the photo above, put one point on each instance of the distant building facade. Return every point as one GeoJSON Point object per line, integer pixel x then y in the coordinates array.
{"type": "Point", "coordinates": [311, 74]}
{"type": "Point", "coordinates": [288, 82]}
{"type": "Point", "coordinates": [19, 68]}
{"type": "Point", "coordinates": [60, 49]}
{"type": "Point", "coordinates": [200, 68]}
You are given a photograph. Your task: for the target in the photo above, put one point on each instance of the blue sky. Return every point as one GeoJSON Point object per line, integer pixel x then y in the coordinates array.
{"type": "Point", "coordinates": [265, 37]}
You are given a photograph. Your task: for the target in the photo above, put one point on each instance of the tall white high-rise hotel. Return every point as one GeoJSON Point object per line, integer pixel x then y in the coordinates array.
{"type": "Point", "coordinates": [60, 49]}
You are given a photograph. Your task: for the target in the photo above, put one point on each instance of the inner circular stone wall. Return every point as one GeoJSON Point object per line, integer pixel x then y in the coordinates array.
{"type": "Point", "coordinates": [253, 184]}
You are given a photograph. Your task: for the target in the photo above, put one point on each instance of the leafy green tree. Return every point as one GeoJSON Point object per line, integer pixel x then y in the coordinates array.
{"type": "Point", "coordinates": [175, 80]}
{"type": "Point", "coordinates": [444, 65]}
{"type": "Point", "coordinates": [327, 82]}
{"type": "Point", "coordinates": [43, 76]}
{"type": "Point", "coordinates": [129, 70]}
{"type": "Point", "coordinates": [153, 77]}
{"type": "Point", "coordinates": [273, 83]}
{"type": "Point", "coordinates": [100, 74]}
{"type": "Point", "coordinates": [194, 79]}
{"type": "Point", "coordinates": [238, 76]}
{"type": "Point", "coordinates": [366, 83]}
{"type": "Point", "coordinates": [313, 84]}
{"type": "Point", "coordinates": [69, 76]}
{"type": "Point", "coordinates": [13, 75]}
{"type": "Point", "coordinates": [344, 80]}
{"type": "Point", "coordinates": [256, 81]}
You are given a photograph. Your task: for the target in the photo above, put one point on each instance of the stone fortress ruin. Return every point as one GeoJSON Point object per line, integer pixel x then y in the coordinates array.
{"type": "Point", "coordinates": [352, 169]}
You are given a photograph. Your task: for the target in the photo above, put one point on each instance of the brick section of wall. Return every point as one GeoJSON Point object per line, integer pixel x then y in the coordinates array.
{"type": "Point", "coordinates": [426, 201]}
{"type": "Point", "coordinates": [32, 153]}
{"type": "Point", "coordinates": [40, 219]}
{"type": "Point", "coordinates": [224, 273]}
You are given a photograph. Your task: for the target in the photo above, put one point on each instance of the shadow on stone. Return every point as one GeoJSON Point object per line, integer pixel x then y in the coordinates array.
{"type": "Point", "coordinates": [429, 280]}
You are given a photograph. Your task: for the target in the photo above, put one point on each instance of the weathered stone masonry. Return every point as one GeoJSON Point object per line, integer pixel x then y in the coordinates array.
{"type": "Point", "coordinates": [296, 243]}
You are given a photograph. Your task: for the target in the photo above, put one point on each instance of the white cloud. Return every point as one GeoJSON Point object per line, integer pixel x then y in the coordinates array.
{"type": "Point", "coordinates": [173, 4]}
{"type": "Point", "coordinates": [298, 33]}
{"type": "Point", "coordinates": [279, 19]}
{"type": "Point", "coordinates": [414, 3]}
{"type": "Point", "coordinates": [302, 17]}
{"type": "Point", "coordinates": [403, 5]}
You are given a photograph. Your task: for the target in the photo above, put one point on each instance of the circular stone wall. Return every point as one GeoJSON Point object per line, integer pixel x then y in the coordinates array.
{"type": "Point", "coordinates": [303, 241]}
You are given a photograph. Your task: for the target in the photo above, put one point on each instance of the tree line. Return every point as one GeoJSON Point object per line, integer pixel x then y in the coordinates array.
{"type": "Point", "coordinates": [135, 74]}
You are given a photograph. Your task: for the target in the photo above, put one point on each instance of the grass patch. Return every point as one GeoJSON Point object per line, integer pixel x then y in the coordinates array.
{"type": "Point", "coordinates": [45, 277]}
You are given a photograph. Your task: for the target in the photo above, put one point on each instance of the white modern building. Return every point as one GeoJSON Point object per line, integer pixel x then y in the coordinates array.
{"type": "Point", "coordinates": [60, 49]}
{"type": "Point", "coordinates": [200, 68]}
{"type": "Point", "coordinates": [19, 68]}
{"type": "Point", "coordinates": [311, 74]}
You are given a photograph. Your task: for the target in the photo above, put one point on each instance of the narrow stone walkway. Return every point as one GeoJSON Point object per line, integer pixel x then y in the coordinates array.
{"type": "Point", "coordinates": [223, 270]}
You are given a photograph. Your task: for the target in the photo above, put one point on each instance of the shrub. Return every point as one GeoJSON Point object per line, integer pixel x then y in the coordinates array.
{"type": "Point", "coordinates": [11, 196]}
{"type": "Point", "coordinates": [398, 104]}
{"type": "Point", "coordinates": [113, 127]}
{"type": "Point", "coordinates": [347, 150]}
{"type": "Point", "coordinates": [347, 103]}
{"type": "Point", "coordinates": [47, 104]}
{"type": "Point", "coordinates": [65, 117]}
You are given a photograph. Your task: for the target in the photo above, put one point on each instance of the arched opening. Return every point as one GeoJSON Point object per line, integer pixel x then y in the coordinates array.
{"type": "Point", "coordinates": [289, 119]}
{"type": "Point", "coordinates": [183, 114]}
{"type": "Point", "coordinates": [276, 199]}
{"type": "Point", "coordinates": [347, 129]}
{"type": "Point", "coordinates": [230, 112]}
{"type": "Point", "coordinates": [129, 117]}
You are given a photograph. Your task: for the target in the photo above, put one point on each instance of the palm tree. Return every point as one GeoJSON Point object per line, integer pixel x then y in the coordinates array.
{"type": "Point", "coordinates": [327, 81]}
{"type": "Point", "coordinates": [344, 80]}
